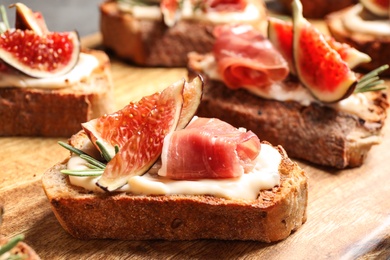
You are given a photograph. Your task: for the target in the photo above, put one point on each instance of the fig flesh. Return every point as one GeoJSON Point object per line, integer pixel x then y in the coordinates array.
{"type": "Point", "coordinates": [318, 66]}
{"type": "Point", "coordinates": [144, 147]}
{"type": "Point", "coordinates": [280, 33]}
{"type": "Point", "coordinates": [40, 56]}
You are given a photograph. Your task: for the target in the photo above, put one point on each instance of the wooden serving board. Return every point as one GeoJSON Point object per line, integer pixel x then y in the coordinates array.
{"type": "Point", "coordinates": [348, 210]}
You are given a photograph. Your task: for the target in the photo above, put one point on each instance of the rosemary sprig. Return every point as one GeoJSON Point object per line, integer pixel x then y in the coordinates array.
{"type": "Point", "coordinates": [71, 148]}
{"type": "Point", "coordinates": [83, 173]}
{"type": "Point", "coordinates": [371, 81]}
{"type": "Point", "coordinates": [11, 243]}
{"type": "Point", "coordinates": [92, 161]}
{"type": "Point", "coordinates": [95, 167]}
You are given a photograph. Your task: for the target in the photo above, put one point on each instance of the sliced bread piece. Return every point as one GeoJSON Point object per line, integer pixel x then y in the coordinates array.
{"type": "Point", "coordinates": [149, 42]}
{"type": "Point", "coordinates": [316, 133]}
{"type": "Point", "coordinates": [54, 111]}
{"type": "Point", "coordinates": [272, 216]}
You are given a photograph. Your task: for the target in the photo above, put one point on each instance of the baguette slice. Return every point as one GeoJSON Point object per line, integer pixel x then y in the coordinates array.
{"type": "Point", "coordinates": [22, 250]}
{"type": "Point", "coordinates": [57, 112]}
{"type": "Point", "coordinates": [149, 42]}
{"type": "Point", "coordinates": [315, 133]}
{"type": "Point", "coordinates": [271, 217]}
{"type": "Point", "coordinates": [377, 47]}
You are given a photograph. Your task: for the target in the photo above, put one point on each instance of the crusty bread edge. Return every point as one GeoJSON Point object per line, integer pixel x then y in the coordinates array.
{"type": "Point", "coordinates": [272, 217]}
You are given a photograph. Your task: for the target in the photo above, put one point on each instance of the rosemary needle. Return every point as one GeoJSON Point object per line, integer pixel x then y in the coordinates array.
{"type": "Point", "coordinates": [93, 161]}
{"type": "Point", "coordinates": [11, 244]}
{"type": "Point", "coordinates": [95, 167]}
{"type": "Point", "coordinates": [71, 148]}
{"type": "Point", "coordinates": [83, 173]}
{"type": "Point", "coordinates": [371, 80]}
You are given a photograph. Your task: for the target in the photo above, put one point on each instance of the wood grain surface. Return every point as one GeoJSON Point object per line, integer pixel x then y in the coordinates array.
{"type": "Point", "coordinates": [348, 211]}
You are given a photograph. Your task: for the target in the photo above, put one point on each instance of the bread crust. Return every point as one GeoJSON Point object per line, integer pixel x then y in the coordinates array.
{"type": "Point", "coordinates": [315, 133]}
{"type": "Point", "coordinates": [57, 112]}
{"type": "Point", "coordinates": [318, 8]}
{"type": "Point", "coordinates": [271, 217]}
{"type": "Point", "coordinates": [377, 47]}
{"type": "Point", "coordinates": [151, 42]}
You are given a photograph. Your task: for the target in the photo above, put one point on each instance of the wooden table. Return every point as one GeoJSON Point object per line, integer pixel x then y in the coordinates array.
{"type": "Point", "coordinates": [348, 211]}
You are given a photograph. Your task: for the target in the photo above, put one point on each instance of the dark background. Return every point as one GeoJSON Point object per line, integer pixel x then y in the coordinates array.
{"type": "Point", "coordinates": [63, 15]}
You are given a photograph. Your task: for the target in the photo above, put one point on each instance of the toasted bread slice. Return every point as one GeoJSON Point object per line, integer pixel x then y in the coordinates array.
{"type": "Point", "coordinates": [149, 42]}
{"type": "Point", "coordinates": [315, 133]}
{"type": "Point", "coordinates": [377, 47]}
{"type": "Point", "coordinates": [57, 111]}
{"type": "Point", "coordinates": [271, 217]}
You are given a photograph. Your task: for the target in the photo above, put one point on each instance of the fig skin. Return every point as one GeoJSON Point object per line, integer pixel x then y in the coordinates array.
{"type": "Point", "coordinates": [380, 8]}
{"type": "Point", "coordinates": [26, 19]}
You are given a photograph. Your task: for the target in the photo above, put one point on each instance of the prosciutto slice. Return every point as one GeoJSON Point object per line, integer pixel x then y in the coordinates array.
{"type": "Point", "coordinates": [245, 58]}
{"type": "Point", "coordinates": [208, 148]}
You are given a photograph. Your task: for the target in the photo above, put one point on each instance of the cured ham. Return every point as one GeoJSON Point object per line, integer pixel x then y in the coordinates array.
{"type": "Point", "coordinates": [245, 58]}
{"type": "Point", "coordinates": [208, 148]}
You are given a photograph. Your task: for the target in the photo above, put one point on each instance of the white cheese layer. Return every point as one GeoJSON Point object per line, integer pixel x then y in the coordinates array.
{"type": "Point", "coordinates": [264, 176]}
{"type": "Point", "coordinates": [251, 13]}
{"type": "Point", "coordinates": [353, 21]}
{"type": "Point", "coordinates": [83, 69]}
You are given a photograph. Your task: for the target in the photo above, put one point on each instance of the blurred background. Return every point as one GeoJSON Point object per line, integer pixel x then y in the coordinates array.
{"type": "Point", "coordinates": [63, 15]}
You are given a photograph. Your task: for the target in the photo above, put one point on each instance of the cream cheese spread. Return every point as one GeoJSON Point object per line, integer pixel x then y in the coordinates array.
{"type": "Point", "coordinates": [251, 13]}
{"type": "Point", "coordinates": [353, 21]}
{"type": "Point", "coordinates": [83, 69]}
{"type": "Point", "coordinates": [265, 175]}
{"type": "Point", "coordinates": [189, 12]}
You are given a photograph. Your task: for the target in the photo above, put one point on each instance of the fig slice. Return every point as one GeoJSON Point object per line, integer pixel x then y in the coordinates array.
{"type": "Point", "coordinates": [318, 66]}
{"type": "Point", "coordinates": [380, 8]}
{"type": "Point", "coordinates": [131, 128]}
{"type": "Point", "coordinates": [144, 147]}
{"type": "Point", "coordinates": [192, 95]}
{"type": "Point", "coordinates": [26, 19]}
{"type": "Point", "coordinates": [41, 56]}
{"type": "Point", "coordinates": [280, 33]}
{"type": "Point", "coordinates": [170, 11]}
{"type": "Point", "coordinates": [115, 129]}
